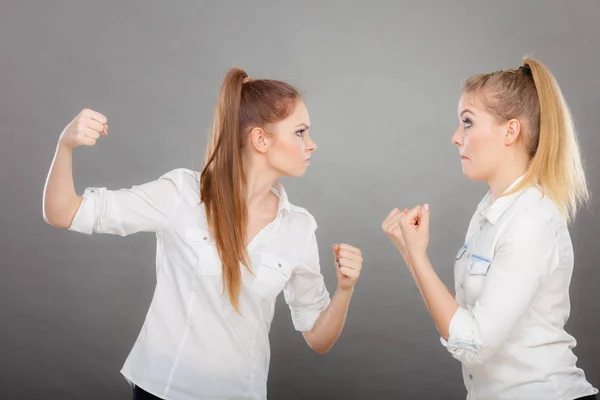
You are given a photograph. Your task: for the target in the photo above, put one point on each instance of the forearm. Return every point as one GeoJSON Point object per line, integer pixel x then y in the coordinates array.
{"type": "Point", "coordinates": [330, 323]}
{"type": "Point", "coordinates": [411, 269]}
{"type": "Point", "coordinates": [60, 202]}
{"type": "Point", "coordinates": [439, 300]}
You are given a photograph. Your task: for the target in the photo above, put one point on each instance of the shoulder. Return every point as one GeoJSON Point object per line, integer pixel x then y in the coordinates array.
{"type": "Point", "coordinates": [298, 233]}
{"type": "Point", "coordinates": [186, 181]}
{"type": "Point", "coordinates": [534, 222]}
{"type": "Point", "coordinates": [297, 218]}
{"type": "Point", "coordinates": [535, 210]}
{"type": "Point", "coordinates": [182, 176]}
{"type": "Point", "coordinates": [297, 224]}
{"type": "Point", "coordinates": [303, 217]}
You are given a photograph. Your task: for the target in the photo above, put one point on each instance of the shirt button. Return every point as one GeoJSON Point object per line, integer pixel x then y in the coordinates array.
{"type": "Point", "coordinates": [279, 265]}
{"type": "Point", "coordinates": [470, 376]}
{"type": "Point", "coordinates": [205, 238]}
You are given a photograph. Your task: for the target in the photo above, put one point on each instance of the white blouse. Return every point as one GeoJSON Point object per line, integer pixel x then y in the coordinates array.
{"type": "Point", "coordinates": [193, 345]}
{"type": "Point", "coordinates": [512, 281]}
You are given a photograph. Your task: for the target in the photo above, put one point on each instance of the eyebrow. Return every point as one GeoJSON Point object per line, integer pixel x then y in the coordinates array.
{"type": "Point", "coordinates": [304, 125]}
{"type": "Point", "coordinates": [466, 110]}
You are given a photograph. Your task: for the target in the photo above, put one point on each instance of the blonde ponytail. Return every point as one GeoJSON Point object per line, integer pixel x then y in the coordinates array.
{"type": "Point", "coordinates": [532, 94]}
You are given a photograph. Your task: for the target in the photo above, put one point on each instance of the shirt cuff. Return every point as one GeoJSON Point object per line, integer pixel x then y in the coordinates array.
{"type": "Point", "coordinates": [304, 319]}
{"type": "Point", "coordinates": [460, 332]}
{"type": "Point", "coordinates": [84, 219]}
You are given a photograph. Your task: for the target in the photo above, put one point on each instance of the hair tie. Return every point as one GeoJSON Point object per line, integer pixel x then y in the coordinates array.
{"type": "Point", "coordinates": [526, 70]}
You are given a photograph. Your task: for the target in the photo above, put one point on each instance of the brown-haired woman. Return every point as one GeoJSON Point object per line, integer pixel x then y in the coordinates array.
{"type": "Point", "coordinates": [228, 242]}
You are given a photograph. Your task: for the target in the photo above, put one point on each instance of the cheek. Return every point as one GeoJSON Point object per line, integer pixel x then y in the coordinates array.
{"type": "Point", "coordinates": [472, 145]}
{"type": "Point", "coordinates": [288, 152]}
{"type": "Point", "coordinates": [476, 145]}
{"type": "Point", "coordinates": [294, 147]}
{"type": "Point", "coordinates": [483, 149]}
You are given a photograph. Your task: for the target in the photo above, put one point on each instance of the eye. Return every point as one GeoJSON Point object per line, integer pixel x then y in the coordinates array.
{"type": "Point", "coordinates": [467, 123]}
{"type": "Point", "coordinates": [300, 133]}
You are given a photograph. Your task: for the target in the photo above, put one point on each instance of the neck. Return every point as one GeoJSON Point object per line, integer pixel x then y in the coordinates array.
{"type": "Point", "coordinates": [258, 182]}
{"type": "Point", "coordinates": [509, 173]}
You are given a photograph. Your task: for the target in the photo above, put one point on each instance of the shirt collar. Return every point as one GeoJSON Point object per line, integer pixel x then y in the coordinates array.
{"type": "Point", "coordinates": [278, 189]}
{"type": "Point", "coordinates": [492, 212]}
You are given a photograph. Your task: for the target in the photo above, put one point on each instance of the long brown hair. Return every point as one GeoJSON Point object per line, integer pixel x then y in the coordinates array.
{"type": "Point", "coordinates": [242, 105]}
{"type": "Point", "coordinates": [530, 93]}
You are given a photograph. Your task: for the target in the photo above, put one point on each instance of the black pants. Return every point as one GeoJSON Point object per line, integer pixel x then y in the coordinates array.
{"type": "Point", "coordinates": [141, 394]}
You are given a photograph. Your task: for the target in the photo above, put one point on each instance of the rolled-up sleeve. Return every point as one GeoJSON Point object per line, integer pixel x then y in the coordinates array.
{"type": "Point", "coordinates": [142, 208]}
{"type": "Point", "coordinates": [306, 293]}
{"type": "Point", "coordinates": [525, 256]}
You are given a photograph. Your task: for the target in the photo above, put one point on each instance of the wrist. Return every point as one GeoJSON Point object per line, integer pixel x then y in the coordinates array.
{"type": "Point", "coordinates": [63, 147]}
{"type": "Point", "coordinates": [345, 289]}
{"type": "Point", "coordinates": [418, 258]}
{"type": "Point", "coordinates": [405, 255]}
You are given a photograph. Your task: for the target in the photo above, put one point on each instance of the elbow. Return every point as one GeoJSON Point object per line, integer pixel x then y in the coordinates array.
{"type": "Point", "coordinates": [320, 349]}
{"type": "Point", "coordinates": [60, 215]}
{"type": "Point", "coordinates": [54, 219]}
{"type": "Point", "coordinates": [48, 217]}
{"type": "Point", "coordinates": [56, 223]}
{"type": "Point", "coordinates": [316, 345]}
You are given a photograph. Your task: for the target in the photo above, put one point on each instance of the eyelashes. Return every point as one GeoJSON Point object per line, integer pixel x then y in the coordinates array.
{"type": "Point", "coordinates": [467, 123]}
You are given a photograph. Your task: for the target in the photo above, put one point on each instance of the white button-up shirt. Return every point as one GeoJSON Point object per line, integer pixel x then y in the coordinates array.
{"type": "Point", "coordinates": [512, 281]}
{"type": "Point", "coordinates": [193, 345]}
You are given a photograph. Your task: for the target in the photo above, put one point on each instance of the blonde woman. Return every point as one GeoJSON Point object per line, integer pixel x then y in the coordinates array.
{"type": "Point", "coordinates": [512, 275]}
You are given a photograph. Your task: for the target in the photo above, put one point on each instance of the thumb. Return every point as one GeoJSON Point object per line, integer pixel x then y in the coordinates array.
{"type": "Point", "coordinates": [336, 248]}
{"type": "Point", "coordinates": [413, 215]}
{"type": "Point", "coordinates": [425, 214]}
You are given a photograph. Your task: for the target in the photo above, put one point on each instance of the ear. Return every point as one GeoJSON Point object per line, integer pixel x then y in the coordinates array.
{"type": "Point", "coordinates": [513, 131]}
{"type": "Point", "coordinates": [259, 139]}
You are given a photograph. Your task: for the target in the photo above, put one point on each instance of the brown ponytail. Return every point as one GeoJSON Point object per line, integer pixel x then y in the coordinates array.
{"type": "Point", "coordinates": [242, 105]}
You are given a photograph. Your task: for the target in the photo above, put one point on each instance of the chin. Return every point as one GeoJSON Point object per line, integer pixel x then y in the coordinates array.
{"type": "Point", "coordinates": [297, 173]}
{"type": "Point", "coordinates": [473, 175]}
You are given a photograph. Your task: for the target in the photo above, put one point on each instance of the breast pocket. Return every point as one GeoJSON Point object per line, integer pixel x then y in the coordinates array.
{"type": "Point", "coordinates": [478, 265]}
{"type": "Point", "coordinates": [477, 270]}
{"type": "Point", "coordinates": [203, 250]}
{"type": "Point", "coordinates": [272, 274]}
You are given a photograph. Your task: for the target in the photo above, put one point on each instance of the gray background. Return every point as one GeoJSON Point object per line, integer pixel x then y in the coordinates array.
{"type": "Point", "coordinates": [381, 83]}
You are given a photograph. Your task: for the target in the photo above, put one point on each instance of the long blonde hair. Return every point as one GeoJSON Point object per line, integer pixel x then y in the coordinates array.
{"type": "Point", "coordinates": [532, 95]}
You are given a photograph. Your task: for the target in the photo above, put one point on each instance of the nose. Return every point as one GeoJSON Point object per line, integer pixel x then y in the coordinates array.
{"type": "Point", "coordinates": [457, 138]}
{"type": "Point", "coordinates": [311, 145]}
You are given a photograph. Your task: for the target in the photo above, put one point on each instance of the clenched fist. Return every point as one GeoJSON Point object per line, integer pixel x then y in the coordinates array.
{"type": "Point", "coordinates": [348, 260]}
{"type": "Point", "coordinates": [409, 230]}
{"type": "Point", "coordinates": [391, 227]}
{"type": "Point", "coordinates": [84, 130]}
